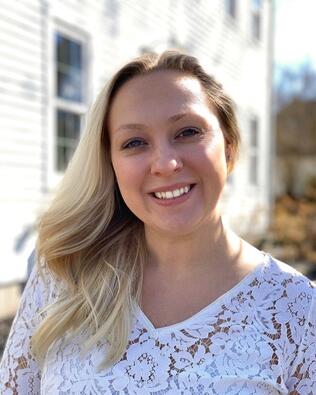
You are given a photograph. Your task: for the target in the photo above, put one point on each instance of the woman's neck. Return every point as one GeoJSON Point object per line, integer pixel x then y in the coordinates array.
{"type": "Point", "coordinates": [204, 248]}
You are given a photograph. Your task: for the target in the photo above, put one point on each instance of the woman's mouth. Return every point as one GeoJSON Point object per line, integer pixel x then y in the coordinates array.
{"type": "Point", "coordinates": [173, 194]}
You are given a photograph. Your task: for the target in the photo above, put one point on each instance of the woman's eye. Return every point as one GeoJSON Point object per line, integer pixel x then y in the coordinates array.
{"type": "Point", "coordinates": [133, 143]}
{"type": "Point", "coordinates": [188, 132]}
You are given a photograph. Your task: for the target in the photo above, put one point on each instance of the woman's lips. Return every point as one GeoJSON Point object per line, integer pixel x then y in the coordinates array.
{"type": "Point", "coordinates": [174, 200]}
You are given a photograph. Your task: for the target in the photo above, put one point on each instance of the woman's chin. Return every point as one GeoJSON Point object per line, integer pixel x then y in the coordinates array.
{"type": "Point", "coordinates": [172, 228]}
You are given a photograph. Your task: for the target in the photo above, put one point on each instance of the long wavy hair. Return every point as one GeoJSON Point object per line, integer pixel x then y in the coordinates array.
{"type": "Point", "coordinates": [89, 240]}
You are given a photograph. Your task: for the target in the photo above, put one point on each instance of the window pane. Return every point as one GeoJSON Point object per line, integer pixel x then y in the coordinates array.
{"type": "Point", "coordinates": [231, 7]}
{"type": "Point", "coordinates": [69, 85]}
{"type": "Point", "coordinates": [61, 124]}
{"type": "Point", "coordinates": [76, 55]}
{"type": "Point", "coordinates": [68, 51]}
{"type": "Point", "coordinates": [256, 25]}
{"type": "Point", "coordinates": [61, 162]}
{"type": "Point", "coordinates": [254, 132]}
{"type": "Point", "coordinates": [253, 170]}
{"type": "Point", "coordinates": [62, 50]}
{"type": "Point", "coordinates": [256, 4]}
{"type": "Point", "coordinates": [67, 137]}
{"type": "Point", "coordinates": [68, 124]}
{"type": "Point", "coordinates": [69, 69]}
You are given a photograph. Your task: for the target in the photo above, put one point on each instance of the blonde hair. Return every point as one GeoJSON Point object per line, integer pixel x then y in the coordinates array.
{"type": "Point", "coordinates": [90, 240]}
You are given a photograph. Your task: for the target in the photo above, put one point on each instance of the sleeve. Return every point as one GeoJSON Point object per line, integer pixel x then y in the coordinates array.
{"type": "Point", "coordinates": [302, 380]}
{"type": "Point", "coordinates": [19, 371]}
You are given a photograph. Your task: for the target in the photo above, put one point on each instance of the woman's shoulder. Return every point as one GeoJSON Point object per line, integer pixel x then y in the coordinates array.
{"type": "Point", "coordinates": [286, 309]}
{"type": "Point", "coordinates": [42, 287]}
{"type": "Point", "coordinates": [282, 294]}
{"type": "Point", "coordinates": [285, 275]}
{"type": "Point", "coordinates": [271, 277]}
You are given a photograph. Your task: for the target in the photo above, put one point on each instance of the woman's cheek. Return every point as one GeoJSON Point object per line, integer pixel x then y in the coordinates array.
{"type": "Point", "coordinates": [128, 173]}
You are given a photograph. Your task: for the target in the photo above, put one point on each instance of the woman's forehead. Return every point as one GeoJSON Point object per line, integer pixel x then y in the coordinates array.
{"type": "Point", "coordinates": [160, 92]}
{"type": "Point", "coordinates": [160, 85]}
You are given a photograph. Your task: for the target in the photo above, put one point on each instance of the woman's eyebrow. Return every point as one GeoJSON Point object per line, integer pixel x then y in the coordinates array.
{"type": "Point", "coordinates": [176, 117]}
{"type": "Point", "coordinates": [139, 126]}
{"type": "Point", "coordinates": [130, 126]}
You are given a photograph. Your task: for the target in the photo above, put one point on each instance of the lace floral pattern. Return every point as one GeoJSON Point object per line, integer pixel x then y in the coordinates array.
{"type": "Point", "coordinates": [258, 338]}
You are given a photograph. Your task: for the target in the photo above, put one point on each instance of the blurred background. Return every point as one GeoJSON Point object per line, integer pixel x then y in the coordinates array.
{"type": "Point", "coordinates": [56, 55]}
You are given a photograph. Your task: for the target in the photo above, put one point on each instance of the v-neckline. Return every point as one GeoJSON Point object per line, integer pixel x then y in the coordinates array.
{"type": "Point", "coordinates": [182, 324]}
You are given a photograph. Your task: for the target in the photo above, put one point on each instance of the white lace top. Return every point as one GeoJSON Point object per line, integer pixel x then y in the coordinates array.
{"type": "Point", "coordinates": [258, 338]}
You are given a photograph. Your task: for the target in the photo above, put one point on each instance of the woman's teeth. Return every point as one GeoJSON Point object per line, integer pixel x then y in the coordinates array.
{"type": "Point", "coordinates": [172, 194]}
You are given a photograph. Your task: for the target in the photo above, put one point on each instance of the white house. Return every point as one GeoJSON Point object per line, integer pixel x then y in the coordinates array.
{"type": "Point", "coordinates": [56, 54]}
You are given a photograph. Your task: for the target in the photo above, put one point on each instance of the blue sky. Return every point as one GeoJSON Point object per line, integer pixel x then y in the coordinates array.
{"type": "Point", "coordinates": [295, 32]}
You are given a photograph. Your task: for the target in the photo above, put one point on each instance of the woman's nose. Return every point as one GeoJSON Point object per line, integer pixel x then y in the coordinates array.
{"type": "Point", "coordinates": [165, 162]}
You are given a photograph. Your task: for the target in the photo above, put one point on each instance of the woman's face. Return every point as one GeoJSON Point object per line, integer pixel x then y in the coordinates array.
{"type": "Point", "coordinates": [168, 152]}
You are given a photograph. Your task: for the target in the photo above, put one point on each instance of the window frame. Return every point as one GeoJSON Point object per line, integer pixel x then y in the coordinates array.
{"type": "Point", "coordinates": [57, 103]}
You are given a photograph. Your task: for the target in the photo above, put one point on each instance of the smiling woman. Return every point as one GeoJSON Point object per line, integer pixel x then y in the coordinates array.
{"type": "Point", "coordinates": [178, 143]}
{"type": "Point", "coordinates": [139, 288]}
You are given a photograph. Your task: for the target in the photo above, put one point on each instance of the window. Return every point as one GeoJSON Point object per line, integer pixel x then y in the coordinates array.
{"type": "Point", "coordinates": [256, 6]}
{"type": "Point", "coordinates": [254, 151]}
{"type": "Point", "coordinates": [70, 101]}
{"type": "Point", "coordinates": [230, 7]}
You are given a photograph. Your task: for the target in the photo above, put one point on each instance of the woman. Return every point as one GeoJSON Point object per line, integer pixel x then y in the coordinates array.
{"type": "Point", "coordinates": [145, 291]}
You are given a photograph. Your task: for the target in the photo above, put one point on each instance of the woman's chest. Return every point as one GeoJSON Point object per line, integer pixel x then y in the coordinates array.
{"type": "Point", "coordinates": [199, 360]}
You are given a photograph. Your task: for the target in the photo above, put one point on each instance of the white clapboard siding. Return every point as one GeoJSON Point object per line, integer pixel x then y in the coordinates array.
{"type": "Point", "coordinates": [21, 123]}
